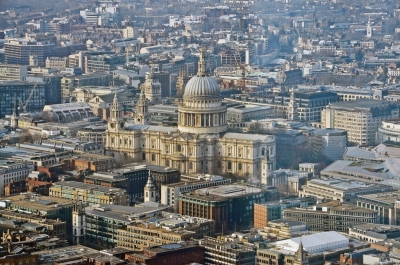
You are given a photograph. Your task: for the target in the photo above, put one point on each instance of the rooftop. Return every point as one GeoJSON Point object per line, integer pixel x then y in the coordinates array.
{"type": "Point", "coordinates": [36, 202]}
{"type": "Point", "coordinates": [86, 186]}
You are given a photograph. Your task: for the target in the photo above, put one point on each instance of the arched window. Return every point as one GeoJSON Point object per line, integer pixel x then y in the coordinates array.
{"type": "Point", "coordinates": [229, 165]}
{"type": "Point", "coordinates": [240, 166]}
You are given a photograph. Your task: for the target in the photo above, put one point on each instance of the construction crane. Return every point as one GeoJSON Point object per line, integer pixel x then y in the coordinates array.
{"type": "Point", "coordinates": [244, 71]}
{"type": "Point", "coordinates": [126, 48]}
{"type": "Point", "coordinates": [23, 106]}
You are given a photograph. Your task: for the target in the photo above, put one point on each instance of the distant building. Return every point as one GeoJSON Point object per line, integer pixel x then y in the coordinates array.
{"type": "Point", "coordinates": [360, 118]}
{"type": "Point", "coordinates": [336, 216]}
{"type": "Point", "coordinates": [18, 91]}
{"type": "Point", "coordinates": [19, 51]}
{"type": "Point", "coordinates": [389, 130]}
{"type": "Point", "coordinates": [329, 143]}
{"type": "Point", "coordinates": [340, 190]}
{"type": "Point", "coordinates": [13, 72]}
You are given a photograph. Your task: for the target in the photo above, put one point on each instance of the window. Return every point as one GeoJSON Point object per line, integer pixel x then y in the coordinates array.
{"type": "Point", "coordinates": [229, 165]}
{"type": "Point", "coordinates": [190, 165]}
{"type": "Point", "coordinates": [143, 156]}
{"type": "Point", "coordinates": [240, 166]}
{"type": "Point", "coordinates": [178, 148]}
{"type": "Point", "coordinates": [219, 164]}
{"type": "Point", "coordinates": [153, 157]}
{"type": "Point", "coordinates": [263, 152]}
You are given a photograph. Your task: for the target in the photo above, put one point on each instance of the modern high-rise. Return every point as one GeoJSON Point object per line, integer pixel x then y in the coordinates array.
{"type": "Point", "coordinates": [19, 51]}
{"type": "Point", "coordinates": [28, 94]}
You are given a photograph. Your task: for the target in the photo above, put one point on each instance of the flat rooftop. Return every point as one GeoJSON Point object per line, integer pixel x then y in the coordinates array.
{"type": "Point", "coordinates": [121, 213]}
{"type": "Point", "coordinates": [227, 191]}
{"type": "Point", "coordinates": [86, 186]}
{"type": "Point", "coordinates": [385, 197]}
{"type": "Point", "coordinates": [38, 202]}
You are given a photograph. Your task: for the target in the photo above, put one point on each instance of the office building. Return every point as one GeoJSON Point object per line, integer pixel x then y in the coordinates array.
{"type": "Point", "coordinates": [340, 190]}
{"type": "Point", "coordinates": [308, 103]}
{"type": "Point", "coordinates": [22, 51]}
{"type": "Point", "coordinates": [13, 171]}
{"type": "Point", "coordinates": [93, 162]}
{"type": "Point", "coordinates": [268, 211]}
{"type": "Point", "coordinates": [389, 130]}
{"type": "Point", "coordinates": [107, 179]}
{"type": "Point", "coordinates": [33, 223]}
{"type": "Point", "coordinates": [228, 205]}
{"type": "Point", "coordinates": [329, 143]}
{"type": "Point", "coordinates": [89, 193]}
{"type": "Point", "coordinates": [99, 231]}
{"type": "Point", "coordinates": [166, 228]}
{"type": "Point", "coordinates": [360, 118]}
{"type": "Point", "coordinates": [283, 229]}
{"type": "Point", "coordinates": [170, 192]}
{"type": "Point", "coordinates": [237, 117]}
{"type": "Point", "coordinates": [28, 95]}
{"type": "Point", "coordinates": [58, 63]}
{"type": "Point", "coordinates": [386, 204]}
{"type": "Point", "coordinates": [331, 216]}
{"type": "Point", "coordinates": [69, 83]}
{"type": "Point", "coordinates": [12, 72]}
{"type": "Point", "coordinates": [375, 233]}
{"type": "Point", "coordinates": [229, 253]}
{"type": "Point", "coordinates": [44, 206]}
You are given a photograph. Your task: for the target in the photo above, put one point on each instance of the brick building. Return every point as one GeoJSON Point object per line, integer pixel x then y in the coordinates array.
{"type": "Point", "coordinates": [177, 254]}
{"type": "Point", "coordinates": [93, 162]}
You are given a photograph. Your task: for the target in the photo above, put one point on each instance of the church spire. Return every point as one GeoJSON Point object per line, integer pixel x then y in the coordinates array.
{"type": "Point", "coordinates": [150, 189]}
{"type": "Point", "coordinates": [202, 71]}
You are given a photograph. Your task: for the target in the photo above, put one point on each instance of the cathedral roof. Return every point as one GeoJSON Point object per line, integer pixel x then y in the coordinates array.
{"type": "Point", "coordinates": [202, 85]}
{"type": "Point", "coordinates": [199, 86]}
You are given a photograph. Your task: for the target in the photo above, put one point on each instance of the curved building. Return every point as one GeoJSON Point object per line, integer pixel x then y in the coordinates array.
{"type": "Point", "coordinates": [200, 143]}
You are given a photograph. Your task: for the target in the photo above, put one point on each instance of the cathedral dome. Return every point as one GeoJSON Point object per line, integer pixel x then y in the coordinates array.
{"type": "Point", "coordinates": [199, 86]}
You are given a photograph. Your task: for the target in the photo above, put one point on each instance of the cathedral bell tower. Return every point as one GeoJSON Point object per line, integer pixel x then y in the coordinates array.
{"type": "Point", "coordinates": [115, 121]}
{"type": "Point", "coordinates": [152, 88]}
{"type": "Point", "coordinates": [142, 115]}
